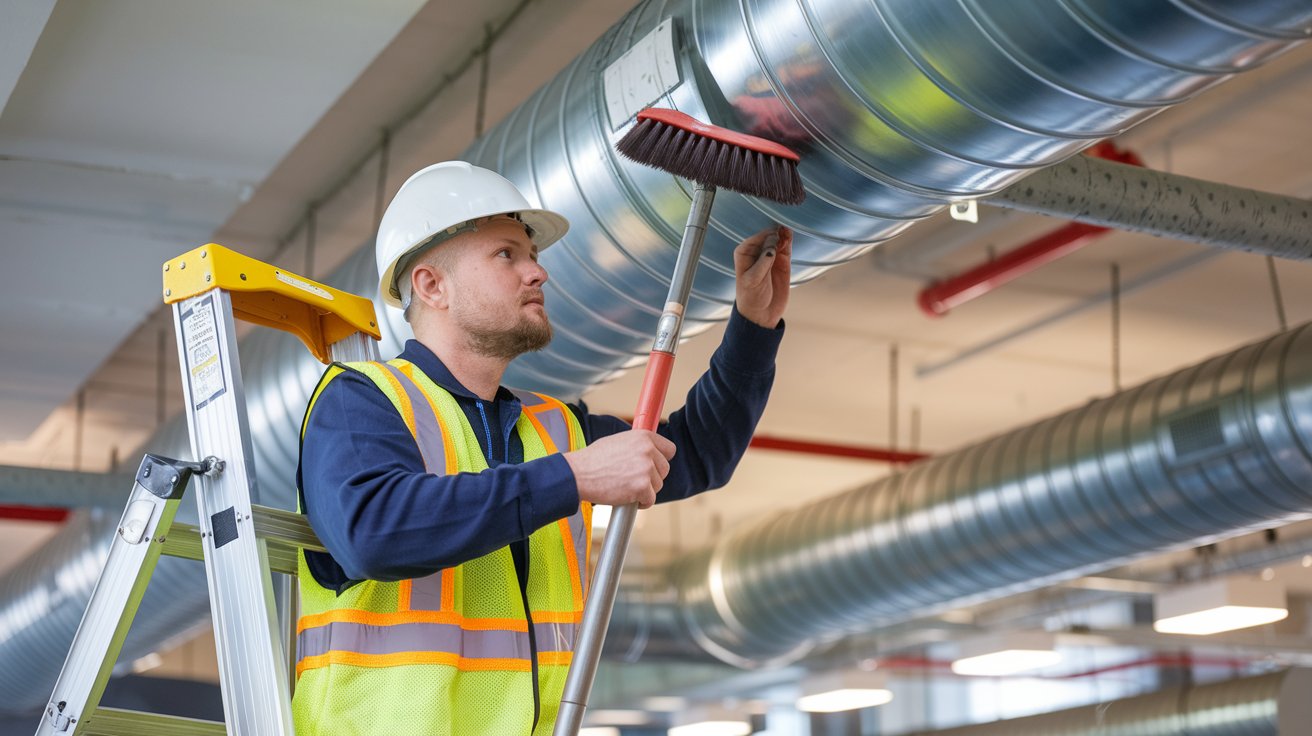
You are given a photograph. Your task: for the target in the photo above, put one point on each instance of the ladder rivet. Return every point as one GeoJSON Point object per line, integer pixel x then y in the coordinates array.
{"type": "Point", "coordinates": [168, 292]}
{"type": "Point", "coordinates": [182, 265]}
{"type": "Point", "coordinates": [204, 253]}
{"type": "Point", "coordinates": [173, 479]}
{"type": "Point", "coordinates": [166, 266]}
{"type": "Point", "coordinates": [243, 277]}
{"type": "Point", "coordinates": [207, 277]}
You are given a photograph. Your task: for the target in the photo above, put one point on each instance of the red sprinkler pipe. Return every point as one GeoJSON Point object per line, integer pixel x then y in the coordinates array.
{"type": "Point", "coordinates": [877, 454]}
{"type": "Point", "coordinates": [33, 513]}
{"type": "Point", "coordinates": [939, 298]}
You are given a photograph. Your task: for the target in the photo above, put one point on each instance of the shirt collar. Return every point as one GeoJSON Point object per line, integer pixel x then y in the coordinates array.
{"type": "Point", "coordinates": [418, 353]}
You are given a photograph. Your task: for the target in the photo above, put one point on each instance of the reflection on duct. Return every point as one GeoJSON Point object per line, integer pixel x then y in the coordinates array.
{"type": "Point", "coordinates": [896, 106]}
{"type": "Point", "coordinates": [1267, 705]}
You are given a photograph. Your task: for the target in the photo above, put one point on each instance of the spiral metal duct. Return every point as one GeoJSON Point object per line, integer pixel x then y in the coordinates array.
{"type": "Point", "coordinates": [1210, 451]}
{"type": "Point", "coordinates": [897, 107]}
{"type": "Point", "coordinates": [1266, 705]}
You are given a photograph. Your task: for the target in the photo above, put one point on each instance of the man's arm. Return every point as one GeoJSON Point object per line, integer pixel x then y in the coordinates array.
{"type": "Point", "coordinates": [383, 517]}
{"type": "Point", "coordinates": [720, 413]}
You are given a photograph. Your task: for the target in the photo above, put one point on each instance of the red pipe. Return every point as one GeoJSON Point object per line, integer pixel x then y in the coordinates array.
{"type": "Point", "coordinates": [940, 297]}
{"type": "Point", "coordinates": [831, 449]}
{"type": "Point", "coordinates": [878, 454]}
{"type": "Point", "coordinates": [33, 513]}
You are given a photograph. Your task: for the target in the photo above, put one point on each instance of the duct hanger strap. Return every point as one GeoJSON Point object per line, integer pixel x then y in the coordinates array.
{"type": "Point", "coordinates": [1133, 198]}
{"type": "Point", "coordinates": [273, 297]}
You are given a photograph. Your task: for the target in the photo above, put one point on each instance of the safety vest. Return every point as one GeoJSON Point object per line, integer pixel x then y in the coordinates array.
{"type": "Point", "coordinates": [452, 653]}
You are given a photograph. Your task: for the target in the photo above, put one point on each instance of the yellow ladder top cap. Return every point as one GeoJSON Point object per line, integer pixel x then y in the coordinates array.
{"type": "Point", "coordinates": [274, 297]}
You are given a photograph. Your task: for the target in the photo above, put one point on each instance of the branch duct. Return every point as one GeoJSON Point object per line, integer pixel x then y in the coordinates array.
{"type": "Point", "coordinates": [1266, 705]}
{"type": "Point", "coordinates": [896, 106]}
{"type": "Point", "coordinates": [1208, 452]}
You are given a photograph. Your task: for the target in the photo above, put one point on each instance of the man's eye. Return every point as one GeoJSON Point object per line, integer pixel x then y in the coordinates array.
{"type": "Point", "coordinates": [503, 253]}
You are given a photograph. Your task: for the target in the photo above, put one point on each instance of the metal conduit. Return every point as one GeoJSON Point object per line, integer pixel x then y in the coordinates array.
{"type": "Point", "coordinates": [897, 107]}
{"type": "Point", "coordinates": [1210, 451]}
{"type": "Point", "coordinates": [1266, 705]}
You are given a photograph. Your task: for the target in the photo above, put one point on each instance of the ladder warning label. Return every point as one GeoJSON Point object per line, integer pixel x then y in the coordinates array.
{"type": "Point", "coordinates": [200, 336]}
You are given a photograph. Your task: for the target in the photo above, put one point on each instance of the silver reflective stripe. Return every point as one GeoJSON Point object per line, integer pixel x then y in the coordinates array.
{"type": "Point", "coordinates": [426, 593]}
{"type": "Point", "coordinates": [428, 637]}
{"type": "Point", "coordinates": [556, 424]}
{"type": "Point", "coordinates": [555, 637]}
{"type": "Point", "coordinates": [428, 433]}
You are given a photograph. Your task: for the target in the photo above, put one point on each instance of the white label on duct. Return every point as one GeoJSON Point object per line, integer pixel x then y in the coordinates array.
{"type": "Point", "coordinates": [642, 75]}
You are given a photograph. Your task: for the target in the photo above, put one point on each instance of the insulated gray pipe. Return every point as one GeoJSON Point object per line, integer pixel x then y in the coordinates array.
{"type": "Point", "coordinates": [1267, 705]}
{"type": "Point", "coordinates": [62, 488]}
{"type": "Point", "coordinates": [1126, 197]}
{"type": "Point", "coordinates": [897, 107]}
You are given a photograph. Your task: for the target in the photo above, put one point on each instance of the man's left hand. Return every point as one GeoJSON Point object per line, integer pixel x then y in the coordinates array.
{"type": "Point", "coordinates": [763, 264]}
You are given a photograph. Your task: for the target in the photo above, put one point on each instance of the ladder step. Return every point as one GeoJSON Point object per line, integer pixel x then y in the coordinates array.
{"type": "Point", "coordinates": [118, 722]}
{"type": "Point", "coordinates": [284, 531]}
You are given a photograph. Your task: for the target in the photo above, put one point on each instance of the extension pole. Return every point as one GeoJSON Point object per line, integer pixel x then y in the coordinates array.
{"type": "Point", "coordinates": [651, 400]}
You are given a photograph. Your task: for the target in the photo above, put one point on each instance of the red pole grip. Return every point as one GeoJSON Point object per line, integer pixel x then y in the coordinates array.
{"type": "Point", "coordinates": [655, 382]}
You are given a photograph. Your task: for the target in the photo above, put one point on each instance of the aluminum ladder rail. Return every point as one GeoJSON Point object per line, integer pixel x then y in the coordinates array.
{"type": "Point", "coordinates": [209, 288]}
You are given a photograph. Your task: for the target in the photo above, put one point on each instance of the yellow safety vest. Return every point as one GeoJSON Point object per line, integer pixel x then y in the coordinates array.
{"type": "Point", "coordinates": [449, 654]}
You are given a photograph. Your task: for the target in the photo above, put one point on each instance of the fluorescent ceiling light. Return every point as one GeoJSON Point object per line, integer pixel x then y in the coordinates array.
{"type": "Point", "coordinates": [599, 731]}
{"type": "Point", "coordinates": [833, 701]}
{"type": "Point", "coordinates": [1223, 604]}
{"type": "Point", "coordinates": [618, 718]}
{"type": "Point", "coordinates": [831, 692]}
{"type": "Point", "coordinates": [1006, 654]}
{"type": "Point", "coordinates": [713, 728]}
{"type": "Point", "coordinates": [665, 703]}
{"type": "Point", "coordinates": [710, 721]}
{"type": "Point", "coordinates": [600, 518]}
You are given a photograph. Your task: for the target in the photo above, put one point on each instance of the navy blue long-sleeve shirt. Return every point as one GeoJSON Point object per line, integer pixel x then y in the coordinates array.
{"type": "Point", "coordinates": [383, 517]}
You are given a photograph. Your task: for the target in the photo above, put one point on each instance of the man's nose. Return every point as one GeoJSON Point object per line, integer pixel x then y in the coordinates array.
{"type": "Point", "coordinates": [537, 275]}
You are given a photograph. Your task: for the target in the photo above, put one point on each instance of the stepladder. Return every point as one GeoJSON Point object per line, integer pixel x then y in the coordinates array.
{"type": "Point", "coordinates": [241, 543]}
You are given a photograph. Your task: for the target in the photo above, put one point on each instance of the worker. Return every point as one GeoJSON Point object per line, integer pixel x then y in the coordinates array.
{"type": "Point", "coordinates": [456, 513]}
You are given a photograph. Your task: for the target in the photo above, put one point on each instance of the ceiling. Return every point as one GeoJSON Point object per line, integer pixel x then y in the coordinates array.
{"type": "Point", "coordinates": [133, 130]}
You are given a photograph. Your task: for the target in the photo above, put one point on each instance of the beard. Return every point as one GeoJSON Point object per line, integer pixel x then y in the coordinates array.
{"type": "Point", "coordinates": [494, 338]}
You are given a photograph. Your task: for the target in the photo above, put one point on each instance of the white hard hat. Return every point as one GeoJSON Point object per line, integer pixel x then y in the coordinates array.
{"type": "Point", "coordinates": [432, 205]}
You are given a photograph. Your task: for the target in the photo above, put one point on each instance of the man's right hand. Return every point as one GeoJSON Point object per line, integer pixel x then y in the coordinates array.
{"type": "Point", "coordinates": [629, 467]}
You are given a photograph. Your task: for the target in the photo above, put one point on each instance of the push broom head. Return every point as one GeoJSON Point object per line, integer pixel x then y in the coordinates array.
{"type": "Point", "coordinates": [672, 141]}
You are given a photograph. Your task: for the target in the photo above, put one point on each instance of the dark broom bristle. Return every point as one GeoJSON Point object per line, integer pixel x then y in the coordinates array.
{"type": "Point", "coordinates": [701, 158]}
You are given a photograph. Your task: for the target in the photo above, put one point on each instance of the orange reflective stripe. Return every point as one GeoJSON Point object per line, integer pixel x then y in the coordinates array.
{"type": "Point", "coordinates": [407, 410]}
{"type": "Point", "coordinates": [448, 589]}
{"type": "Point", "coordinates": [555, 658]}
{"type": "Point", "coordinates": [575, 579]}
{"type": "Point", "coordinates": [464, 664]}
{"type": "Point", "coordinates": [403, 592]}
{"type": "Point", "coordinates": [547, 441]}
{"type": "Point", "coordinates": [557, 617]}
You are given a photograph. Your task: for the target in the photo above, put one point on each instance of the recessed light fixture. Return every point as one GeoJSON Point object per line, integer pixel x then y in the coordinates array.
{"type": "Point", "coordinates": [832, 692]}
{"type": "Point", "coordinates": [1009, 653]}
{"type": "Point", "coordinates": [1223, 604]}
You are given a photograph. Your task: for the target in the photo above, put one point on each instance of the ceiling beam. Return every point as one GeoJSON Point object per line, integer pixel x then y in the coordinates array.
{"type": "Point", "coordinates": [24, 22]}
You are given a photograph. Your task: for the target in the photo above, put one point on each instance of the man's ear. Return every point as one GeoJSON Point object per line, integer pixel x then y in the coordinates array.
{"type": "Point", "coordinates": [431, 286]}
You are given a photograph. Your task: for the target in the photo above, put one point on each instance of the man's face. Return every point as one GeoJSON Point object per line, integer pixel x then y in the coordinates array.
{"type": "Point", "coordinates": [496, 289]}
